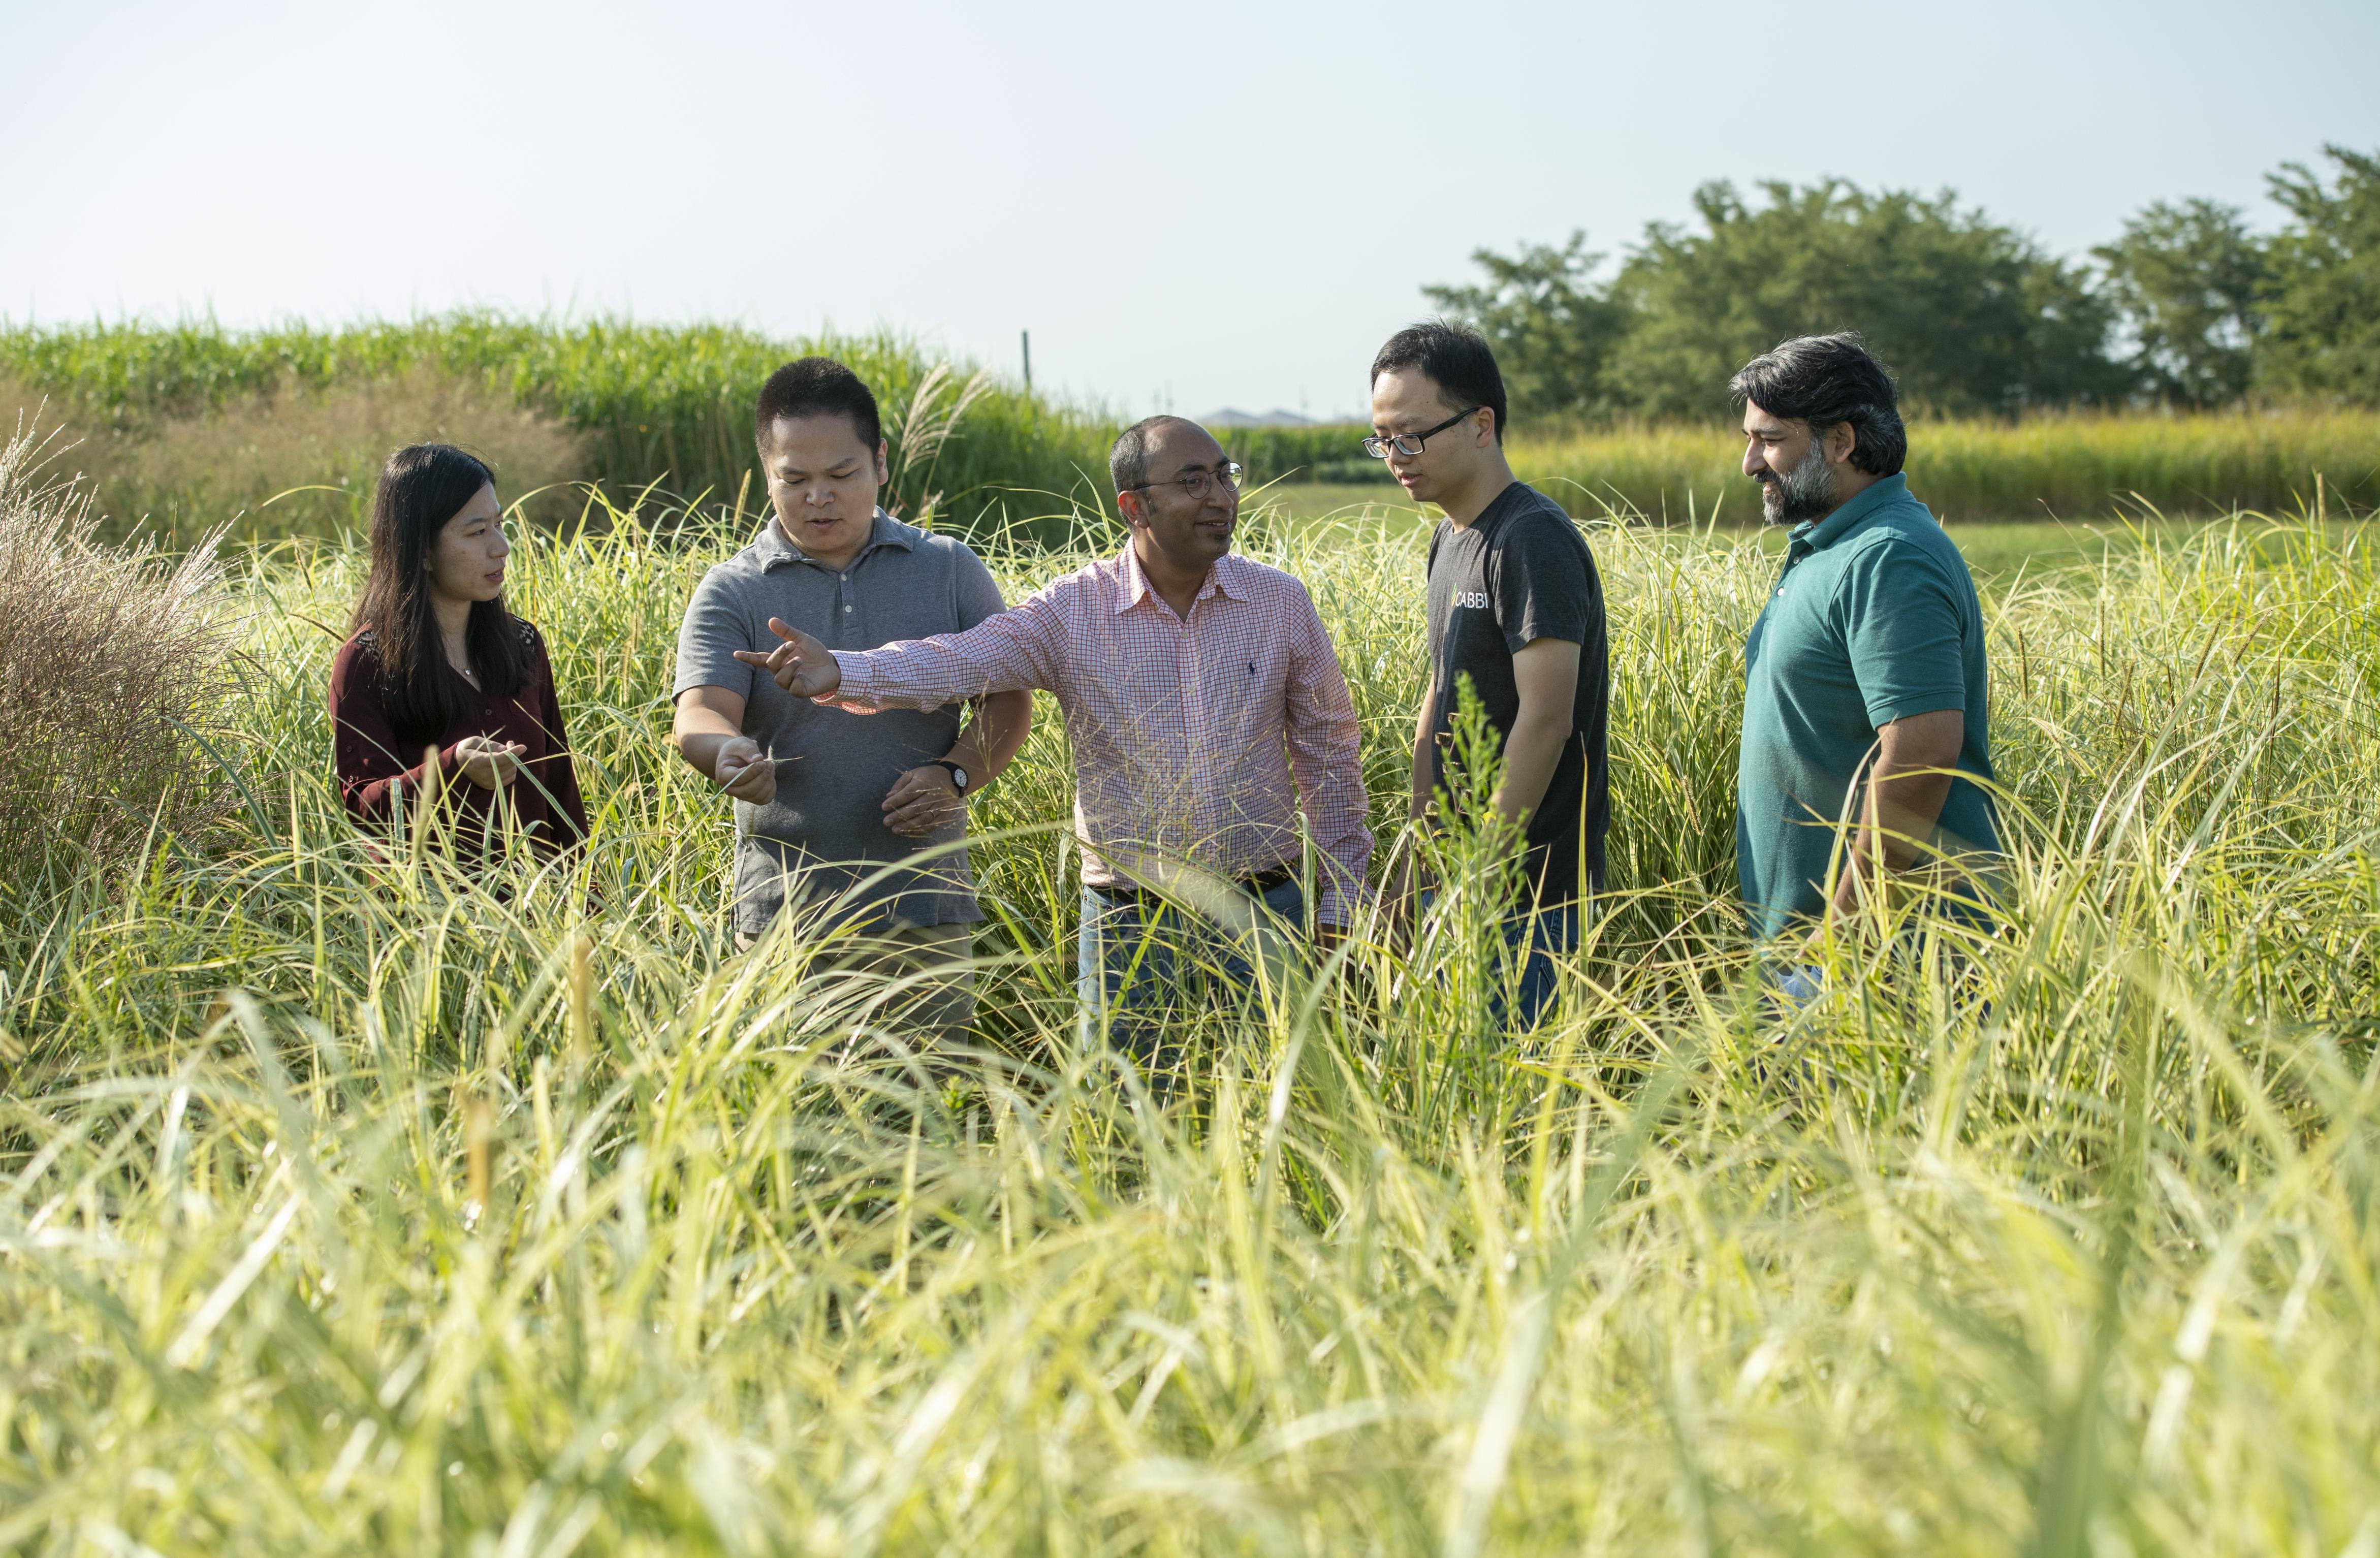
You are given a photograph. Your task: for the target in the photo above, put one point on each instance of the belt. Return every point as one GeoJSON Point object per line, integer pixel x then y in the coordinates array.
{"type": "Point", "coordinates": [1254, 886]}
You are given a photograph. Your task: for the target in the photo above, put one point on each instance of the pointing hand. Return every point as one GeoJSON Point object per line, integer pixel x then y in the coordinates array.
{"type": "Point", "coordinates": [802, 665]}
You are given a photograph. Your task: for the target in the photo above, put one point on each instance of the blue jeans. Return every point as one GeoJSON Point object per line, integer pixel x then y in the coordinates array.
{"type": "Point", "coordinates": [1140, 962]}
{"type": "Point", "coordinates": [1549, 934]}
{"type": "Point", "coordinates": [1535, 937]}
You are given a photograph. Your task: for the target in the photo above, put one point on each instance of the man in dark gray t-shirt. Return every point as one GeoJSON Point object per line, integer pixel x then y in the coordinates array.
{"type": "Point", "coordinates": [825, 799]}
{"type": "Point", "coordinates": [1515, 610]}
{"type": "Point", "coordinates": [1518, 573]}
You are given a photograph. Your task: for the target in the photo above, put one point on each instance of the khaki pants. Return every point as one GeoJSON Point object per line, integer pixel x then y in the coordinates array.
{"type": "Point", "coordinates": [944, 1000]}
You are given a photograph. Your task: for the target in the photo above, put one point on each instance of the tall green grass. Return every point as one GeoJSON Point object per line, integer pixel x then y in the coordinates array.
{"type": "Point", "coordinates": [351, 1209]}
{"type": "Point", "coordinates": [655, 406]}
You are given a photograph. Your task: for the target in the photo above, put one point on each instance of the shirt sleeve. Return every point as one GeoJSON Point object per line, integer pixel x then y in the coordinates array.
{"type": "Point", "coordinates": [708, 639]}
{"type": "Point", "coordinates": [1325, 752]}
{"type": "Point", "coordinates": [976, 596]}
{"type": "Point", "coordinates": [1542, 588]}
{"type": "Point", "coordinates": [365, 751]}
{"type": "Point", "coordinates": [1023, 647]}
{"type": "Point", "coordinates": [558, 772]}
{"type": "Point", "coordinates": [1901, 625]}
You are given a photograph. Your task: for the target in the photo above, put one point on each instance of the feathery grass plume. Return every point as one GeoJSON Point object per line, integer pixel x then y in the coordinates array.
{"type": "Point", "coordinates": [918, 429]}
{"type": "Point", "coordinates": [113, 673]}
{"type": "Point", "coordinates": [349, 1206]}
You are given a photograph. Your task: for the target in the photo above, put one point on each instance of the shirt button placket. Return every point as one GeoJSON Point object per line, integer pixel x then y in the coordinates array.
{"type": "Point", "coordinates": [1193, 715]}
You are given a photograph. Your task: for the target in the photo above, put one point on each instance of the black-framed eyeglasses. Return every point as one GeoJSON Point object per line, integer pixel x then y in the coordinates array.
{"type": "Point", "coordinates": [1410, 442]}
{"type": "Point", "coordinates": [1198, 484]}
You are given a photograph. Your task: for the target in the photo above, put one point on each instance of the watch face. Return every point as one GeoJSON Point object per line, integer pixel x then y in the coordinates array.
{"type": "Point", "coordinates": [959, 776]}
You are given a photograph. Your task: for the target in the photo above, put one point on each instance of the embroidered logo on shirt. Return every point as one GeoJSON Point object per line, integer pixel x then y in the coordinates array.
{"type": "Point", "coordinates": [1475, 598]}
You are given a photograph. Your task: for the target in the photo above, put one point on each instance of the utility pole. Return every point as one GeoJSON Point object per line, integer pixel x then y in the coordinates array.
{"type": "Point", "coordinates": [1027, 337]}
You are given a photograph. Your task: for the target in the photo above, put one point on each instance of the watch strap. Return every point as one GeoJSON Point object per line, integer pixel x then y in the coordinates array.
{"type": "Point", "coordinates": [959, 776]}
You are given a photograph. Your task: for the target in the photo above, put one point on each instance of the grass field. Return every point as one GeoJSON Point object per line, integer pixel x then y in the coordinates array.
{"type": "Point", "coordinates": [350, 1209]}
{"type": "Point", "coordinates": [2002, 553]}
{"type": "Point", "coordinates": [2047, 467]}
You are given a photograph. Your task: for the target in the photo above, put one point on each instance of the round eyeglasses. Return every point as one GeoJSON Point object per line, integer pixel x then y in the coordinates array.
{"type": "Point", "coordinates": [1410, 442]}
{"type": "Point", "coordinates": [1198, 484]}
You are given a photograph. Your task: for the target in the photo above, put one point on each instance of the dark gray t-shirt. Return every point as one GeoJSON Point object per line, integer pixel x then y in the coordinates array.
{"type": "Point", "coordinates": [1520, 572]}
{"type": "Point", "coordinates": [826, 825]}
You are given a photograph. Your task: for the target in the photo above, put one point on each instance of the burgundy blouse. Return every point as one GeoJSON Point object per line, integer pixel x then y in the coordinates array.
{"type": "Point", "coordinates": [375, 768]}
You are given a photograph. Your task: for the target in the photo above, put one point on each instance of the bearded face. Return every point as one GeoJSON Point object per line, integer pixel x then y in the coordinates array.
{"type": "Point", "coordinates": [1805, 491]}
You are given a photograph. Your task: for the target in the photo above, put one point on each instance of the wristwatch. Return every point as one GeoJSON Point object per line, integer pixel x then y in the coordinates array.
{"type": "Point", "coordinates": [958, 775]}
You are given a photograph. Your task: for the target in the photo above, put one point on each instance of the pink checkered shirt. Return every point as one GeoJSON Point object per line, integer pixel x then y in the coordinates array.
{"type": "Point", "coordinates": [1186, 732]}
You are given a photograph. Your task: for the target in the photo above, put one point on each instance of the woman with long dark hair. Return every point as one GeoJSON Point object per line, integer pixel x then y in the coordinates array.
{"type": "Point", "coordinates": [443, 696]}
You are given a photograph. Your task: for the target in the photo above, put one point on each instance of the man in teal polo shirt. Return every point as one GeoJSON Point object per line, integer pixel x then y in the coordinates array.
{"type": "Point", "coordinates": [1864, 711]}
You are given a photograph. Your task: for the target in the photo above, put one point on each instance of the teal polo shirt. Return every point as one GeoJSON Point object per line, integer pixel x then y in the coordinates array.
{"type": "Point", "coordinates": [1874, 618]}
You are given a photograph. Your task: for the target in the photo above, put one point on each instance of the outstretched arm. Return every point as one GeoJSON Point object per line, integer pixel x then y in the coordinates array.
{"type": "Point", "coordinates": [1016, 651]}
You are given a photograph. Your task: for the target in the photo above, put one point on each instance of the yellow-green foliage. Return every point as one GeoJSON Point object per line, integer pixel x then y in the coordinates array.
{"type": "Point", "coordinates": [350, 1209]}
{"type": "Point", "coordinates": [2070, 466]}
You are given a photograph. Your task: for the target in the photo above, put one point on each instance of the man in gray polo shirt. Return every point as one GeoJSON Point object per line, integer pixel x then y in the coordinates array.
{"type": "Point", "coordinates": [824, 800]}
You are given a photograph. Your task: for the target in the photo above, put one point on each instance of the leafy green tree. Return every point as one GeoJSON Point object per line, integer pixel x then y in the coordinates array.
{"type": "Point", "coordinates": [2323, 297]}
{"type": "Point", "coordinates": [2187, 278]}
{"type": "Point", "coordinates": [1551, 324]}
{"type": "Point", "coordinates": [1970, 315]}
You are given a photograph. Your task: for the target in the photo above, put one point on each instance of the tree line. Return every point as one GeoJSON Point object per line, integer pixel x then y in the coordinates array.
{"type": "Point", "coordinates": [2188, 307]}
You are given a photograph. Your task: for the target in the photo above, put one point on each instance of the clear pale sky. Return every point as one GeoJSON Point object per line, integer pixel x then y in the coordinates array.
{"type": "Point", "coordinates": [1189, 207]}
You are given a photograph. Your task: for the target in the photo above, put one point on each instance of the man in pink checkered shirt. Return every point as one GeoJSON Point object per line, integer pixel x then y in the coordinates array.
{"type": "Point", "coordinates": [1202, 695]}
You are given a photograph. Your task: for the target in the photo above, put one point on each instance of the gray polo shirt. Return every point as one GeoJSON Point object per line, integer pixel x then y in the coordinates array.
{"type": "Point", "coordinates": [826, 826]}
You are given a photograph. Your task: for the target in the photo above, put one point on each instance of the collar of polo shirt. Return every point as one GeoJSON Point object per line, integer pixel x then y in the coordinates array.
{"type": "Point", "coordinates": [776, 549]}
{"type": "Point", "coordinates": [1818, 534]}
